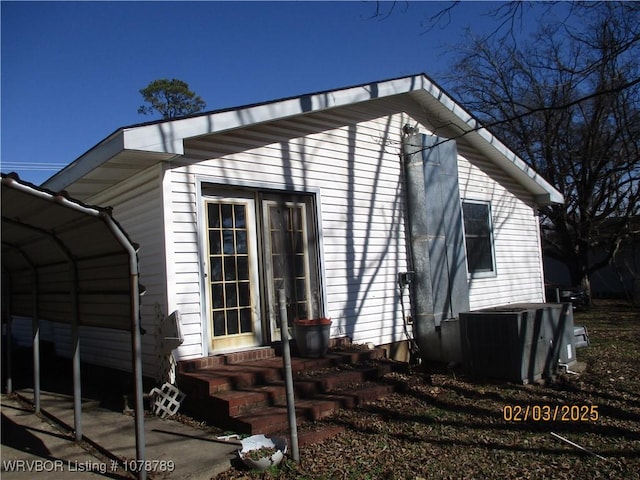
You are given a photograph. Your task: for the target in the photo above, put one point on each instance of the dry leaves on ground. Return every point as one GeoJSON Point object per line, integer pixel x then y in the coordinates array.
{"type": "Point", "coordinates": [453, 428]}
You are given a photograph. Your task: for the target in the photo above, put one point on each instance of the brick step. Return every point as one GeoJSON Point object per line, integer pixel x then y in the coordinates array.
{"type": "Point", "coordinates": [220, 376]}
{"type": "Point", "coordinates": [250, 396]}
{"type": "Point", "coordinates": [273, 419]}
{"type": "Point", "coordinates": [246, 398]}
{"type": "Point", "coordinates": [226, 359]}
{"type": "Point", "coordinates": [339, 346]}
{"type": "Point", "coordinates": [209, 381]}
{"type": "Point", "coordinates": [308, 385]}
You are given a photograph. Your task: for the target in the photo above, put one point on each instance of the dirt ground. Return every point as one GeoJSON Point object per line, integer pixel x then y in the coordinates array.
{"type": "Point", "coordinates": [452, 427]}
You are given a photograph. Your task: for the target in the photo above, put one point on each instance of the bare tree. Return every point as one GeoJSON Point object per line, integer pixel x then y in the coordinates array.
{"type": "Point", "coordinates": [568, 101]}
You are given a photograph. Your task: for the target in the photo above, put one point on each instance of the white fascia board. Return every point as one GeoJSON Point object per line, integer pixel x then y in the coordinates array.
{"type": "Point", "coordinates": [507, 156]}
{"type": "Point", "coordinates": [97, 156]}
{"type": "Point", "coordinates": [160, 138]}
{"type": "Point", "coordinates": [167, 137]}
{"type": "Point", "coordinates": [544, 192]}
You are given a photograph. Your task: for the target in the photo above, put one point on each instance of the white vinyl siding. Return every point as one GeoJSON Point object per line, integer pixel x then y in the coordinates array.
{"type": "Point", "coordinates": [358, 177]}
{"type": "Point", "coordinates": [98, 346]}
{"type": "Point", "coordinates": [137, 206]}
{"type": "Point", "coordinates": [184, 261]}
{"type": "Point", "coordinates": [361, 207]}
{"type": "Point", "coordinates": [515, 235]}
{"type": "Point", "coordinates": [349, 158]}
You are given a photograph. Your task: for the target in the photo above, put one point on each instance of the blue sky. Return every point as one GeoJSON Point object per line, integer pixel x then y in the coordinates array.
{"type": "Point", "coordinates": [72, 71]}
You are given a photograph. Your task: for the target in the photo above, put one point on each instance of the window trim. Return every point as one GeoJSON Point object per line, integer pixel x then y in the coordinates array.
{"type": "Point", "coordinates": [485, 273]}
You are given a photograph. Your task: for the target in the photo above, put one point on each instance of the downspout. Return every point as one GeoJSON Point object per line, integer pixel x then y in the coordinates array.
{"type": "Point", "coordinates": [424, 325]}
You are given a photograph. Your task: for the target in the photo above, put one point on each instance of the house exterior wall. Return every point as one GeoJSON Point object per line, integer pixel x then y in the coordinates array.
{"type": "Point", "coordinates": [519, 276]}
{"type": "Point", "coordinates": [361, 207]}
{"type": "Point", "coordinates": [137, 206]}
{"type": "Point", "coordinates": [350, 159]}
{"type": "Point", "coordinates": [356, 171]}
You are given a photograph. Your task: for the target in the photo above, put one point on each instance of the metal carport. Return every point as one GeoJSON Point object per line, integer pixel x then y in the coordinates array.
{"type": "Point", "coordinates": [68, 262]}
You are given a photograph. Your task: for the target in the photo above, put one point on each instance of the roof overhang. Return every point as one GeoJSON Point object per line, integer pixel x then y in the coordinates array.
{"type": "Point", "coordinates": [139, 146]}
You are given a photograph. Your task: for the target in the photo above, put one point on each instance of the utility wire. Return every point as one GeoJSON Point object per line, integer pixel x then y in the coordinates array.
{"type": "Point", "coordinates": [32, 166]}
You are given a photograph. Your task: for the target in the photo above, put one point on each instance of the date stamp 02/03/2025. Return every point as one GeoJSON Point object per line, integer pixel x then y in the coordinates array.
{"type": "Point", "coordinates": [550, 413]}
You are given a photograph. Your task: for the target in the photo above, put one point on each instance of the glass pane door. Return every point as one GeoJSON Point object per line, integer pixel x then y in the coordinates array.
{"type": "Point", "coordinates": [289, 266]}
{"type": "Point", "coordinates": [232, 274]}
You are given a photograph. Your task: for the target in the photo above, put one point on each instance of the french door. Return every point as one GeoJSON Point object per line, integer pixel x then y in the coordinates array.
{"type": "Point", "coordinates": [290, 260]}
{"type": "Point", "coordinates": [258, 244]}
{"type": "Point", "coordinates": [232, 279]}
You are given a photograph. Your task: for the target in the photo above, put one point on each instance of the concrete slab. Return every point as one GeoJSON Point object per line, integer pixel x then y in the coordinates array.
{"type": "Point", "coordinates": [32, 447]}
{"type": "Point", "coordinates": [173, 449]}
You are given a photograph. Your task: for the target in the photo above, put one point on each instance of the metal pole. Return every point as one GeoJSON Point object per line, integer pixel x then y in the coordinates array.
{"type": "Point", "coordinates": [136, 346]}
{"type": "Point", "coordinates": [136, 342]}
{"type": "Point", "coordinates": [288, 376]}
{"type": "Point", "coordinates": [75, 335]}
{"type": "Point", "coordinates": [36, 343]}
{"type": "Point", "coordinates": [7, 331]}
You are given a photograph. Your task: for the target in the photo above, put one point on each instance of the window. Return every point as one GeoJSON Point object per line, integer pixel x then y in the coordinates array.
{"type": "Point", "coordinates": [478, 237]}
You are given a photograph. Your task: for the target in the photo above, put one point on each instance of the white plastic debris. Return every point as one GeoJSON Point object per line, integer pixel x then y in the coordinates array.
{"type": "Point", "coordinates": [257, 442]}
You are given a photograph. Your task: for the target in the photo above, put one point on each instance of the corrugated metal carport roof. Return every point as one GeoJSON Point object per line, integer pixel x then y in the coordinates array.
{"type": "Point", "coordinates": [68, 262]}
{"type": "Point", "coordinates": [61, 238]}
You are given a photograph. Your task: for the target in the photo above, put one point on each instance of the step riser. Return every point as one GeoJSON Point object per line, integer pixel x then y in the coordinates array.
{"type": "Point", "coordinates": [276, 395]}
{"type": "Point", "coordinates": [221, 380]}
{"type": "Point", "coordinates": [303, 388]}
{"type": "Point", "coordinates": [250, 397]}
{"type": "Point", "coordinates": [246, 414]}
{"type": "Point", "coordinates": [226, 359]}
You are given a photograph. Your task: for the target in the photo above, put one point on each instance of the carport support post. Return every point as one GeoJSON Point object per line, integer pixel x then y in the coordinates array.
{"type": "Point", "coordinates": [136, 346]}
{"type": "Point", "coordinates": [9, 347]}
{"type": "Point", "coordinates": [8, 350]}
{"type": "Point", "coordinates": [36, 344]}
{"type": "Point", "coordinates": [136, 342]}
{"type": "Point", "coordinates": [75, 334]}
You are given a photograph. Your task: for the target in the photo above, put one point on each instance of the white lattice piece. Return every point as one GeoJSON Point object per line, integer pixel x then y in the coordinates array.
{"type": "Point", "coordinates": [167, 400]}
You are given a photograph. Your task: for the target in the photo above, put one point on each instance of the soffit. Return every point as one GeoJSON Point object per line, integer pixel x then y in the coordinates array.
{"type": "Point", "coordinates": [139, 146]}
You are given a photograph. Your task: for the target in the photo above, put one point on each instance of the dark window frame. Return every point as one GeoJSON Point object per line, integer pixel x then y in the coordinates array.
{"type": "Point", "coordinates": [478, 234]}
